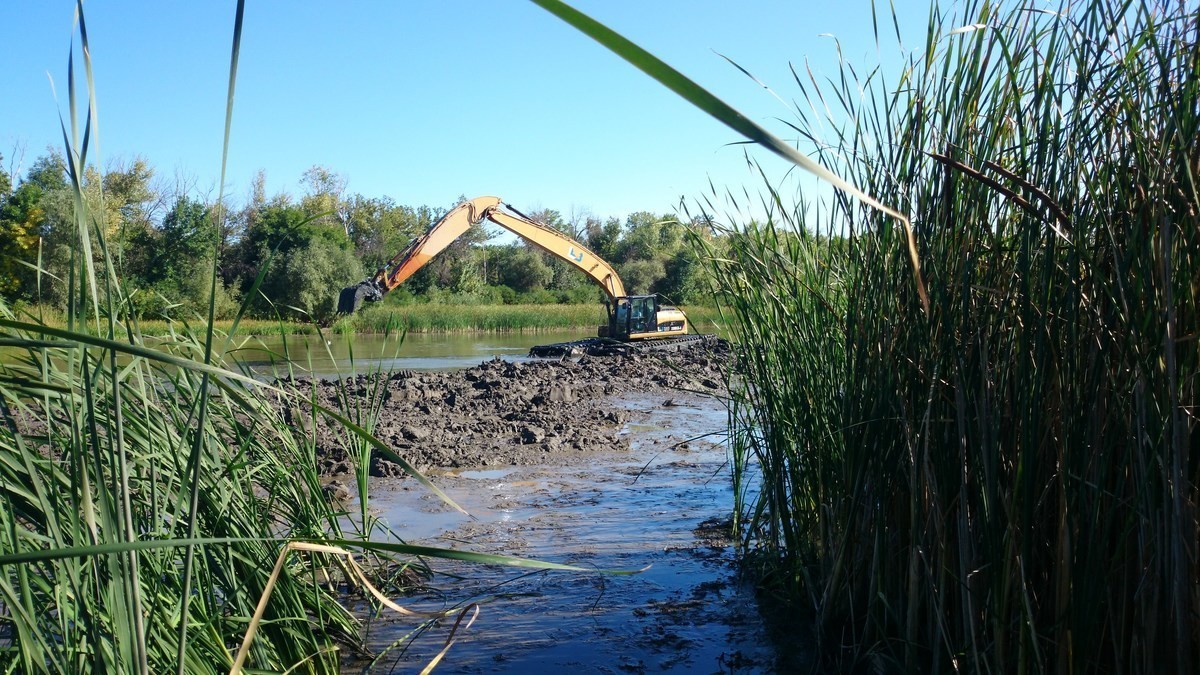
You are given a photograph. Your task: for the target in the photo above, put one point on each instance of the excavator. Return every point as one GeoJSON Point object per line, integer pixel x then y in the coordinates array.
{"type": "Point", "coordinates": [632, 319]}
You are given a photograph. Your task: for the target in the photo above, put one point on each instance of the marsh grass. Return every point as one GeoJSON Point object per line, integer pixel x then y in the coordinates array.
{"type": "Point", "coordinates": [1007, 481]}
{"type": "Point", "coordinates": [436, 318]}
{"type": "Point", "coordinates": [147, 491]}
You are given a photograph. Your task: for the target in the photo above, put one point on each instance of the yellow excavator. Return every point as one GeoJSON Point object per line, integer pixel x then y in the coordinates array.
{"type": "Point", "coordinates": [631, 318]}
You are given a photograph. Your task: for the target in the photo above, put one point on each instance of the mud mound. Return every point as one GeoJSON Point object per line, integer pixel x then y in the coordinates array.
{"type": "Point", "coordinates": [505, 413]}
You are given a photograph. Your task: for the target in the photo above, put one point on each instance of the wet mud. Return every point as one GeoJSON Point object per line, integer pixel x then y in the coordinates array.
{"type": "Point", "coordinates": [504, 413]}
{"type": "Point", "coordinates": [659, 505]}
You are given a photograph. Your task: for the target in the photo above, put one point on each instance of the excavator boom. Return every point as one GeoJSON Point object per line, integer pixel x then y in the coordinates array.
{"type": "Point", "coordinates": [443, 233]}
{"type": "Point", "coordinates": [452, 226]}
{"type": "Point", "coordinates": [414, 256]}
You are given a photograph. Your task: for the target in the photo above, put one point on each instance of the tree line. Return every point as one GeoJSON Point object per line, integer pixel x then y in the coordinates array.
{"type": "Point", "coordinates": [163, 240]}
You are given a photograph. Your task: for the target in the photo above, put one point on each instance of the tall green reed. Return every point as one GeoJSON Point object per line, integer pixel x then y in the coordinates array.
{"type": "Point", "coordinates": [429, 318]}
{"type": "Point", "coordinates": [145, 489]}
{"type": "Point", "coordinates": [1006, 482]}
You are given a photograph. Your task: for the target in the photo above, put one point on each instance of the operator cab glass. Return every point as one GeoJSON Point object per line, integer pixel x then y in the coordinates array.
{"type": "Point", "coordinates": [643, 311]}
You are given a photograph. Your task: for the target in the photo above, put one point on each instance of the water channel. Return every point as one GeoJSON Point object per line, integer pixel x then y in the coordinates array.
{"type": "Point", "coordinates": [661, 507]}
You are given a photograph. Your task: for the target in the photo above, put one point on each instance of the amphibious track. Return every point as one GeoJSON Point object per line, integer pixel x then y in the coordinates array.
{"type": "Point", "coordinates": [606, 347]}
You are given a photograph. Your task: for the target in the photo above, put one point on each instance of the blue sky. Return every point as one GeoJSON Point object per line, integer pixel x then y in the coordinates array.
{"type": "Point", "coordinates": [427, 101]}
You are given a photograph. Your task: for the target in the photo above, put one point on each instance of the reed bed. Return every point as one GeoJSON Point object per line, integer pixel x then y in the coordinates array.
{"type": "Point", "coordinates": [438, 318]}
{"type": "Point", "coordinates": [149, 489]}
{"type": "Point", "coordinates": [1006, 480]}
{"type": "Point", "coordinates": [146, 492]}
{"type": "Point", "coordinates": [103, 441]}
{"type": "Point", "coordinates": [52, 317]}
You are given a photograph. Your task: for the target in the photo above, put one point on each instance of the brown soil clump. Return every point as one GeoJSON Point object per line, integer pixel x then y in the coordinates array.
{"type": "Point", "coordinates": [505, 413]}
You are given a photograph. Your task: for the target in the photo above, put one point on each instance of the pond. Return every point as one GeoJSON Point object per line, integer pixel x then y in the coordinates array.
{"type": "Point", "coordinates": [364, 353]}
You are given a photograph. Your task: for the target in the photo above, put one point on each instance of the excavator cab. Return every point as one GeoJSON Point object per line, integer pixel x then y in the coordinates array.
{"type": "Point", "coordinates": [643, 311]}
{"type": "Point", "coordinates": [627, 315]}
{"type": "Point", "coordinates": [641, 316]}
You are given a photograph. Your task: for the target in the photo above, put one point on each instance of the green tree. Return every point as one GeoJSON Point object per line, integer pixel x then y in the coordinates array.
{"type": "Point", "coordinates": [5, 180]}
{"type": "Point", "coordinates": [604, 239]}
{"type": "Point", "coordinates": [684, 280]}
{"type": "Point", "coordinates": [130, 201]}
{"type": "Point", "coordinates": [462, 256]}
{"type": "Point", "coordinates": [38, 220]}
{"type": "Point", "coordinates": [236, 264]}
{"type": "Point", "coordinates": [122, 203]}
{"type": "Point", "coordinates": [181, 247]}
{"type": "Point", "coordinates": [521, 268]}
{"type": "Point", "coordinates": [287, 226]}
{"type": "Point", "coordinates": [640, 276]}
{"type": "Point", "coordinates": [171, 264]}
{"type": "Point", "coordinates": [49, 172]}
{"type": "Point", "coordinates": [550, 218]}
{"type": "Point", "coordinates": [310, 277]}
{"type": "Point", "coordinates": [380, 228]}
{"type": "Point", "coordinates": [21, 220]}
{"type": "Point", "coordinates": [565, 278]}
{"type": "Point", "coordinates": [313, 263]}
{"type": "Point", "coordinates": [649, 237]}
{"type": "Point", "coordinates": [323, 198]}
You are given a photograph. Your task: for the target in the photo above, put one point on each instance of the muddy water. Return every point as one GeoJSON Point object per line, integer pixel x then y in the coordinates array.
{"type": "Point", "coordinates": [419, 351]}
{"type": "Point", "coordinates": [658, 506]}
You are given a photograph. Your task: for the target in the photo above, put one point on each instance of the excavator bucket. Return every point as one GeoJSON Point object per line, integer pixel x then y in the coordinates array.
{"type": "Point", "coordinates": [352, 297]}
{"type": "Point", "coordinates": [349, 300]}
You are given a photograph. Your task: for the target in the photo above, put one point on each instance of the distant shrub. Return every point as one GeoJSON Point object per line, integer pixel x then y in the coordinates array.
{"type": "Point", "coordinates": [540, 296]}
{"type": "Point", "coordinates": [311, 277]}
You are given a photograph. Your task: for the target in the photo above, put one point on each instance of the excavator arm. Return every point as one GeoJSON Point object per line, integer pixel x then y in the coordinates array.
{"type": "Point", "coordinates": [457, 221]}
{"type": "Point", "coordinates": [414, 256]}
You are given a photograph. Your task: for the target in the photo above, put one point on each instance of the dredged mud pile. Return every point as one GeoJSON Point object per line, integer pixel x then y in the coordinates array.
{"type": "Point", "coordinates": [507, 413]}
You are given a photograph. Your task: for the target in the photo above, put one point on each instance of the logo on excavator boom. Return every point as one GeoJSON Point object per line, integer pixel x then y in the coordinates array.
{"type": "Point", "coordinates": [577, 257]}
